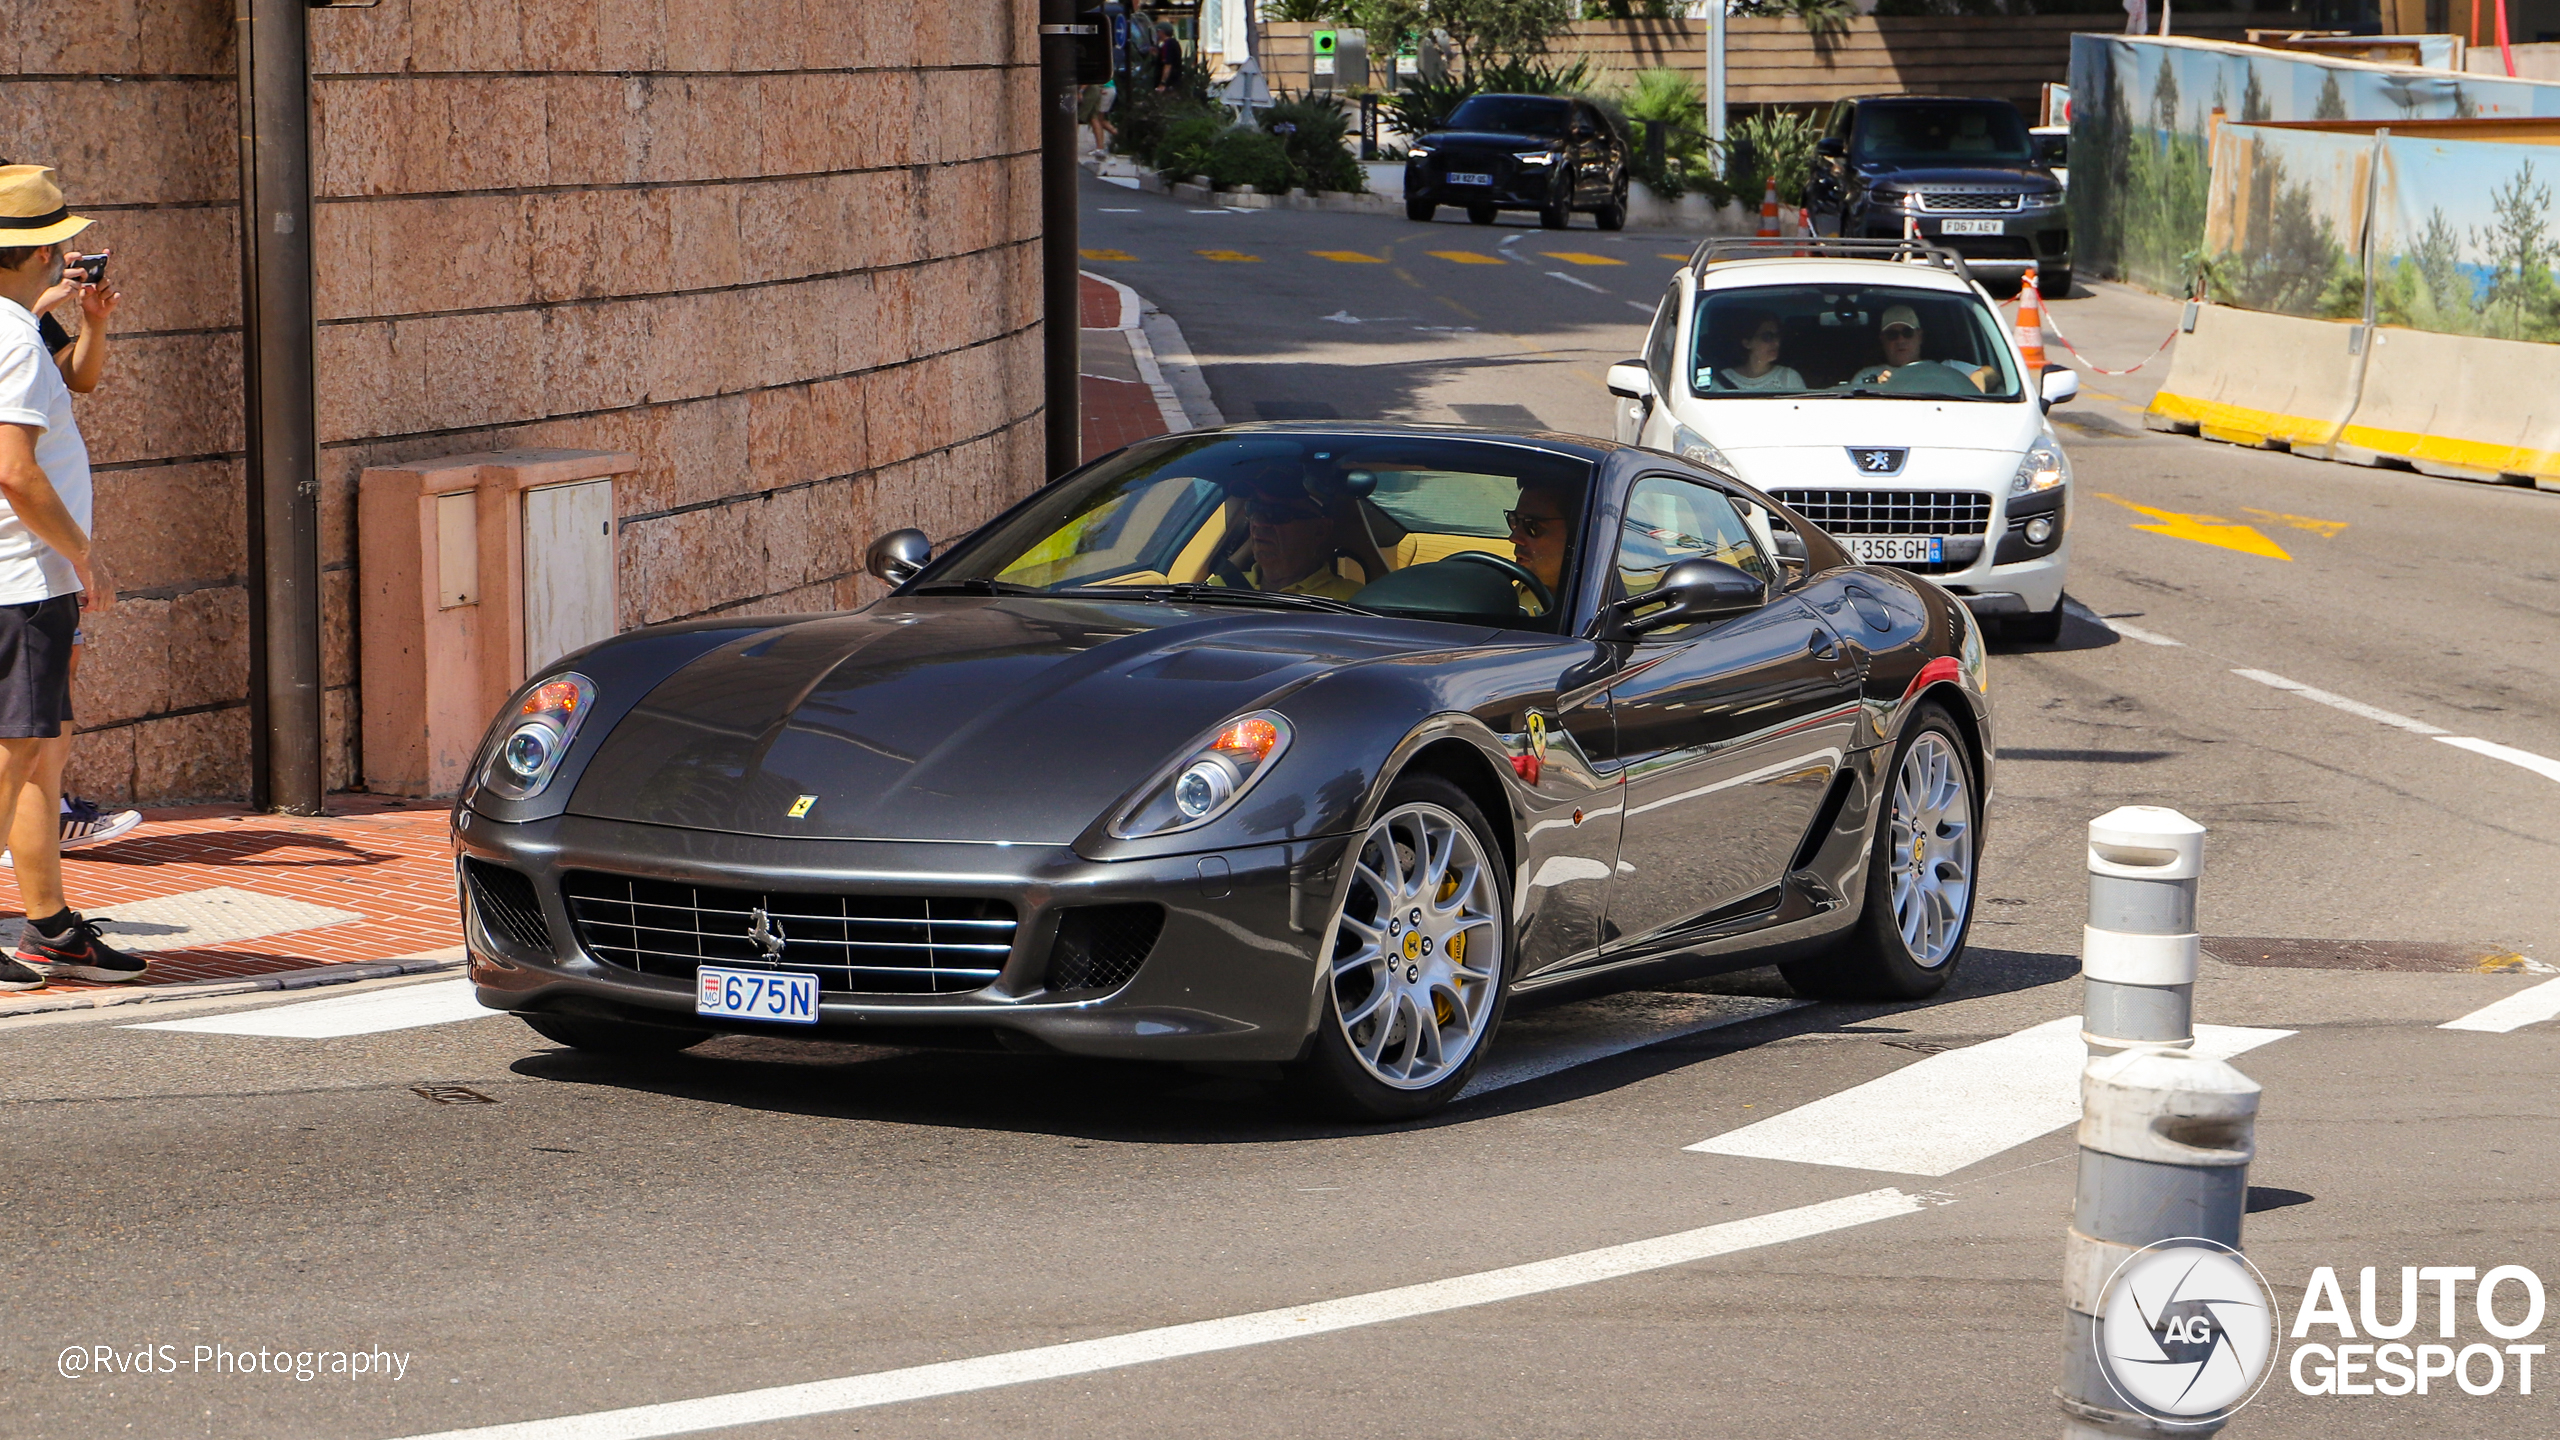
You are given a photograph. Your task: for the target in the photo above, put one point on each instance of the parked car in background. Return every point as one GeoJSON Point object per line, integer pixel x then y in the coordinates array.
{"type": "Point", "coordinates": [1884, 401]}
{"type": "Point", "coordinates": [1545, 153]}
{"type": "Point", "coordinates": [1964, 172]}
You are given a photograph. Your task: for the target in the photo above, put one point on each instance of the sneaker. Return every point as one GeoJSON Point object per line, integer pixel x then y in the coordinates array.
{"type": "Point", "coordinates": [83, 823]}
{"type": "Point", "coordinates": [76, 954]}
{"type": "Point", "coordinates": [14, 976]}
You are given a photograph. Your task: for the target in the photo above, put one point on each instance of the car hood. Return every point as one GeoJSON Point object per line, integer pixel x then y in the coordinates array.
{"type": "Point", "coordinates": [1492, 138]}
{"type": "Point", "coordinates": [1020, 719]}
{"type": "Point", "coordinates": [1814, 423]}
{"type": "Point", "coordinates": [2007, 177]}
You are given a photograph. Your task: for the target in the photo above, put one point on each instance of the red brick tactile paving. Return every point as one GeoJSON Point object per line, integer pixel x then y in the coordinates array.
{"type": "Point", "coordinates": [1117, 412]}
{"type": "Point", "coordinates": [1099, 304]}
{"type": "Point", "coordinates": [388, 862]}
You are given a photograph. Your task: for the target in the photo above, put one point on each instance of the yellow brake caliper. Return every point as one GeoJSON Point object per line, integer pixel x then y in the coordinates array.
{"type": "Point", "coordinates": [1456, 950]}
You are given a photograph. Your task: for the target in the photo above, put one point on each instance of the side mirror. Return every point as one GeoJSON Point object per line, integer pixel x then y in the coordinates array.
{"type": "Point", "coordinates": [2053, 150]}
{"type": "Point", "coordinates": [1629, 380]}
{"type": "Point", "coordinates": [1691, 591]}
{"type": "Point", "coordinates": [897, 556]}
{"type": "Point", "coordinates": [1830, 145]}
{"type": "Point", "coordinates": [2061, 385]}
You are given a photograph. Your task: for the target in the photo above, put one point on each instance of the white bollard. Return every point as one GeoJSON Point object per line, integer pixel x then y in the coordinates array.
{"type": "Point", "coordinates": [2165, 1143]}
{"type": "Point", "coordinates": [2138, 952]}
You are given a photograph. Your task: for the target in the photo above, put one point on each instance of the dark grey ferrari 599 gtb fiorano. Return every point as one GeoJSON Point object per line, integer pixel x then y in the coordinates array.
{"type": "Point", "coordinates": [1316, 745]}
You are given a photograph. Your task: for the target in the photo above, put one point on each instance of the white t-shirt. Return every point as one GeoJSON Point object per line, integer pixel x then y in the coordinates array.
{"type": "Point", "coordinates": [32, 393]}
{"type": "Point", "coordinates": [1779, 377]}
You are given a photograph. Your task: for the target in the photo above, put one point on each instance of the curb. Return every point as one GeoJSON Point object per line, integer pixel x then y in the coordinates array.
{"type": "Point", "coordinates": [345, 974]}
{"type": "Point", "coordinates": [1164, 361]}
{"type": "Point", "coordinates": [1142, 352]}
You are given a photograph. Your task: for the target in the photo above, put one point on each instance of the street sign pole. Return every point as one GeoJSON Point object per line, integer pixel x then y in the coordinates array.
{"type": "Point", "coordinates": [1715, 77]}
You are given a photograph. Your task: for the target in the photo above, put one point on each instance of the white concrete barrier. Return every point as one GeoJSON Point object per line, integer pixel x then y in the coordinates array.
{"type": "Point", "coordinates": [2273, 381]}
{"type": "Point", "coordinates": [2459, 406]}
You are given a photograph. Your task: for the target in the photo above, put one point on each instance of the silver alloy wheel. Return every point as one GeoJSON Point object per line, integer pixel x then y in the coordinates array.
{"type": "Point", "coordinates": [1932, 849]}
{"type": "Point", "coordinates": [1417, 947]}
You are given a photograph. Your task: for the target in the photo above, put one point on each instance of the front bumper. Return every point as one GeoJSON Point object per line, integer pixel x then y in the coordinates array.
{"type": "Point", "coordinates": [1514, 187]}
{"type": "Point", "coordinates": [1232, 975]}
{"type": "Point", "coordinates": [2028, 237]}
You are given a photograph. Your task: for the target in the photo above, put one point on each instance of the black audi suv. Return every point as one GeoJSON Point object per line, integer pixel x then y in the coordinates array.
{"type": "Point", "coordinates": [1965, 172]}
{"type": "Point", "coordinates": [1545, 153]}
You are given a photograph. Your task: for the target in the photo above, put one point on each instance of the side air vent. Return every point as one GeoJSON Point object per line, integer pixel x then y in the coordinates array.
{"type": "Point", "coordinates": [1100, 947]}
{"type": "Point", "coordinates": [508, 907]}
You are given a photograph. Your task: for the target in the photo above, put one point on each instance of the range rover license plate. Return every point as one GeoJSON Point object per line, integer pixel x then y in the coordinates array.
{"type": "Point", "coordinates": [788, 996]}
{"type": "Point", "coordinates": [1896, 549]}
{"type": "Point", "coordinates": [1460, 179]}
{"type": "Point", "coordinates": [1969, 227]}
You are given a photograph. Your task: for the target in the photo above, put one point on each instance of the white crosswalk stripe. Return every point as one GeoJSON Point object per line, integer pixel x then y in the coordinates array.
{"type": "Point", "coordinates": [409, 1007]}
{"type": "Point", "coordinates": [2525, 1007]}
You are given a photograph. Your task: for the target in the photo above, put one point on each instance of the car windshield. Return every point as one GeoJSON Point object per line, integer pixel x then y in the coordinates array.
{"type": "Point", "coordinates": [1511, 115]}
{"type": "Point", "coordinates": [1419, 526]}
{"type": "Point", "coordinates": [1955, 132]}
{"type": "Point", "coordinates": [1849, 340]}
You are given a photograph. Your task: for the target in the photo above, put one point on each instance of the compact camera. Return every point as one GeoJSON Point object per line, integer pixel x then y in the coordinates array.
{"type": "Point", "coordinates": [94, 266]}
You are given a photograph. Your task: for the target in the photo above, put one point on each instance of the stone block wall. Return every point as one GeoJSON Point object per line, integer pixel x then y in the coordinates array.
{"type": "Point", "coordinates": [786, 252]}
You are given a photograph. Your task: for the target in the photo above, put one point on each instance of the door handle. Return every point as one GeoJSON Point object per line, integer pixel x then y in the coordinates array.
{"type": "Point", "coordinates": [1822, 647]}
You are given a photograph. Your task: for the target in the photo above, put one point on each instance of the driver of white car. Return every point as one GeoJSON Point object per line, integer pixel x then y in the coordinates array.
{"type": "Point", "coordinates": [1901, 339]}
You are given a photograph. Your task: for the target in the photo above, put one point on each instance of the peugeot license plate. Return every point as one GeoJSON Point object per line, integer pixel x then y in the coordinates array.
{"type": "Point", "coordinates": [1969, 227]}
{"type": "Point", "coordinates": [1895, 549]}
{"type": "Point", "coordinates": [789, 996]}
{"type": "Point", "coordinates": [1458, 179]}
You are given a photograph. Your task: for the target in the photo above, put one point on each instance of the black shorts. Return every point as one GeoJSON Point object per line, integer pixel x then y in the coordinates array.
{"type": "Point", "coordinates": [35, 667]}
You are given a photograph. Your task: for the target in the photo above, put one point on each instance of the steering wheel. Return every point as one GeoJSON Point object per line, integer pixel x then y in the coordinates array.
{"type": "Point", "coordinates": [1538, 590]}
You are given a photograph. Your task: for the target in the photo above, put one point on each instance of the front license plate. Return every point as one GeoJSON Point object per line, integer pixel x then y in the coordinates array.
{"type": "Point", "coordinates": [1457, 179]}
{"type": "Point", "coordinates": [1896, 549]}
{"type": "Point", "coordinates": [787, 996]}
{"type": "Point", "coordinates": [1969, 227]}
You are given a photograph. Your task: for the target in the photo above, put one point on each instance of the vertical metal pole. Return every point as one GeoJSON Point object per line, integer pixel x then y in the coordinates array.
{"type": "Point", "coordinates": [1715, 77]}
{"type": "Point", "coordinates": [2138, 953]}
{"type": "Point", "coordinates": [1063, 334]}
{"type": "Point", "coordinates": [286, 715]}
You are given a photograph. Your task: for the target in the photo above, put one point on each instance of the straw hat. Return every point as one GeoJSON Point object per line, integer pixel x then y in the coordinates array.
{"type": "Point", "coordinates": [31, 208]}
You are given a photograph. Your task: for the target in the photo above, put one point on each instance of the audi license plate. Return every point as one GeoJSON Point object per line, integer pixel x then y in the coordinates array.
{"type": "Point", "coordinates": [1893, 550]}
{"type": "Point", "coordinates": [789, 996]}
{"type": "Point", "coordinates": [1969, 227]}
{"type": "Point", "coordinates": [1457, 179]}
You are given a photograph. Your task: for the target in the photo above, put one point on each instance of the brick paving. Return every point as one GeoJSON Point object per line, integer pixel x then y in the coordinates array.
{"type": "Point", "coordinates": [1118, 408]}
{"type": "Point", "coordinates": [387, 862]}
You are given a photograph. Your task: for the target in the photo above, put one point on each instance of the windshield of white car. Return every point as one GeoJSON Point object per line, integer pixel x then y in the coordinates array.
{"type": "Point", "coordinates": [1512, 115]}
{"type": "Point", "coordinates": [1849, 341]}
{"type": "Point", "coordinates": [1957, 132]}
{"type": "Point", "coordinates": [1413, 525]}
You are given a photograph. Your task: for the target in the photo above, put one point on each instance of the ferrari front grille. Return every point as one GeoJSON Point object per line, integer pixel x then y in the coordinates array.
{"type": "Point", "coordinates": [1100, 947]}
{"type": "Point", "coordinates": [858, 944]}
{"type": "Point", "coordinates": [508, 907]}
{"type": "Point", "coordinates": [1892, 512]}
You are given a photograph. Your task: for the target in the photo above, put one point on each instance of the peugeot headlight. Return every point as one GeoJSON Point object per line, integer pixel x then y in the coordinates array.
{"type": "Point", "coordinates": [1536, 157]}
{"type": "Point", "coordinates": [2041, 468]}
{"type": "Point", "coordinates": [1209, 779]}
{"type": "Point", "coordinates": [537, 735]}
{"type": "Point", "coordinates": [1695, 448]}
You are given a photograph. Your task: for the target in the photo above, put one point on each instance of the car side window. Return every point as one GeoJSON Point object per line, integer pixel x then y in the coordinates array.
{"type": "Point", "coordinates": [1669, 520]}
{"type": "Point", "coordinates": [1661, 347]}
{"type": "Point", "coordinates": [1840, 117]}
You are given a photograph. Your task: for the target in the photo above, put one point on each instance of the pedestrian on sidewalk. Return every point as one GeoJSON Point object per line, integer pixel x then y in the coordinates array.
{"type": "Point", "coordinates": [1094, 109]}
{"type": "Point", "coordinates": [46, 580]}
{"type": "Point", "coordinates": [1168, 58]}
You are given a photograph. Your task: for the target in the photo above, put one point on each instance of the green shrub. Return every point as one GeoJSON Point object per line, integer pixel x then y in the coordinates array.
{"type": "Point", "coordinates": [1247, 158]}
{"type": "Point", "coordinates": [1778, 142]}
{"type": "Point", "coordinates": [1315, 130]}
{"type": "Point", "coordinates": [1147, 119]}
{"type": "Point", "coordinates": [1186, 147]}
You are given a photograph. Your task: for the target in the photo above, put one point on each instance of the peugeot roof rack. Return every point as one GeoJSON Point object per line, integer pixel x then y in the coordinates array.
{"type": "Point", "coordinates": [1727, 249]}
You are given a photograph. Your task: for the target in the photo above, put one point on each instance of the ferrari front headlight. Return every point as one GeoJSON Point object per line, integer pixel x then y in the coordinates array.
{"type": "Point", "coordinates": [538, 731]}
{"type": "Point", "coordinates": [1209, 778]}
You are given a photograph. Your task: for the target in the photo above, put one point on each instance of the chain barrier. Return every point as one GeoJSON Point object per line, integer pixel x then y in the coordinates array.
{"type": "Point", "coordinates": [2065, 341]}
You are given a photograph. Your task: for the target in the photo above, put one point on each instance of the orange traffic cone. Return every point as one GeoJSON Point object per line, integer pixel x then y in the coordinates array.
{"type": "Point", "coordinates": [1769, 210]}
{"type": "Point", "coordinates": [2031, 324]}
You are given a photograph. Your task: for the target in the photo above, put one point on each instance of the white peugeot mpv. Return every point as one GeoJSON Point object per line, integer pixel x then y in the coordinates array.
{"type": "Point", "coordinates": [1874, 389]}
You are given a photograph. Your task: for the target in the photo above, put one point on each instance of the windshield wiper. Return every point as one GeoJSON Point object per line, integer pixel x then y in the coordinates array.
{"type": "Point", "coordinates": [976, 585]}
{"type": "Point", "coordinates": [1225, 595]}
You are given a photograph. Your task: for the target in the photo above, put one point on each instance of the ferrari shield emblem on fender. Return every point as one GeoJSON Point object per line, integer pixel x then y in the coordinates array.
{"type": "Point", "coordinates": [800, 807]}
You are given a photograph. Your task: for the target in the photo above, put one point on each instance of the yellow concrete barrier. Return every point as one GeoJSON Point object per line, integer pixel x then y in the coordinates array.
{"type": "Point", "coordinates": [2273, 381]}
{"type": "Point", "coordinates": [2459, 406]}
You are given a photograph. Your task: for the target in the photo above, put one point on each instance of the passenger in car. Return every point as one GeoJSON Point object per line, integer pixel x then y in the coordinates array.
{"type": "Point", "coordinates": [1294, 541]}
{"type": "Point", "coordinates": [1901, 339]}
{"type": "Point", "coordinates": [1759, 369]}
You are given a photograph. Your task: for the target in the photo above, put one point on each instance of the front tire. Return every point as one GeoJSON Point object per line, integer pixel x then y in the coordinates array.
{"type": "Point", "coordinates": [614, 1037]}
{"type": "Point", "coordinates": [1920, 876]}
{"type": "Point", "coordinates": [1419, 965]}
{"type": "Point", "coordinates": [1421, 210]}
{"type": "Point", "coordinates": [1556, 217]}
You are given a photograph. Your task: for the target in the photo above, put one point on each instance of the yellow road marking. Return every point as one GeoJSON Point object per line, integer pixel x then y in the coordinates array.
{"type": "Point", "coordinates": [2325, 529]}
{"type": "Point", "coordinates": [1106, 255]}
{"type": "Point", "coordinates": [1347, 257]}
{"type": "Point", "coordinates": [1466, 257]}
{"type": "Point", "coordinates": [2203, 529]}
{"type": "Point", "coordinates": [1682, 257]}
{"type": "Point", "coordinates": [1454, 305]}
{"type": "Point", "coordinates": [1229, 257]}
{"type": "Point", "coordinates": [1580, 257]}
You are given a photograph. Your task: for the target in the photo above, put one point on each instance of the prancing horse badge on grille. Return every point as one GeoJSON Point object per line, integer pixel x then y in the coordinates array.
{"type": "Point", "coordinates": [1875, 460]}
{"type": "Point", "coordinates": [767, 935]}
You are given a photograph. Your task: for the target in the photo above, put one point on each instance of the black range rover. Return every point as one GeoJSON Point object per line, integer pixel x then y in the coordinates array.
{"type": "Point", "coordinates": [1965, 171]}
{"type": "Point", "coordinates": [1520, 152]}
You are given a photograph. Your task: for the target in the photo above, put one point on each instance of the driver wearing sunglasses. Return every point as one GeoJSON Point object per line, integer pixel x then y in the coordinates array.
{"type": "Point", "coordinates": [1294, 541]}
{"type": "Point", "coordinates": [1541, 537]}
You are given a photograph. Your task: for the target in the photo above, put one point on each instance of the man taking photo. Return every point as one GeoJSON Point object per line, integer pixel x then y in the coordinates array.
{"type": "Point", "coordinates": [45, 582]}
